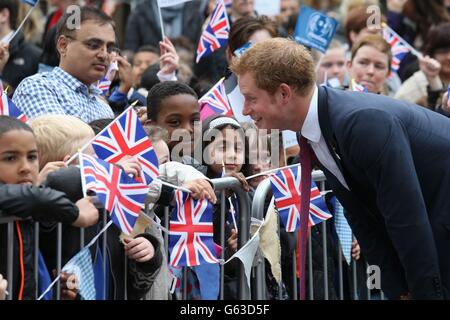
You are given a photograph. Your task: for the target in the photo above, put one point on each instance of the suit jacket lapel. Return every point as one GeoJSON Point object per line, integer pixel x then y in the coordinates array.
{"type": "Point", "coordinates": [325, 127]}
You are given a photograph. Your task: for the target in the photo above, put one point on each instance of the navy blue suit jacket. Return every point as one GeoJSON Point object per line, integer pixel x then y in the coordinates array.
{"type": "Point", "coordinates": [395, 157]}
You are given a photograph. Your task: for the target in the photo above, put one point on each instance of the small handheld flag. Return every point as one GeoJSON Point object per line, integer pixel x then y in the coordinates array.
{"type": "Point", "coordinates": [286, 187]}
{"type": "Point", "coordinates": [8, 108]}
{"type": "Point", "coordinates": [126, 136]}
{"type": "Point", "coordinates": [358, 87]}
{"type": "Point", "coordinates": [216, 32]}
{"type": "Point", "coordinates": [191, 232]}
{"type": "Point", "coordinates": [399, 47]}
{"type": "Point", "coordinates": [215, 101]}
{"type": "Point", "coordinates": [121, 195]}
{"type": "Point", "coordinates": [105, 82]}
{"type": "Point", "coordinates": [314, 29]}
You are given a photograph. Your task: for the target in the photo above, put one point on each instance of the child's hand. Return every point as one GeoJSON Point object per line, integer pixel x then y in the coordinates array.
{"type": "Point", "coordinates": [88, 213]}
{"type": "Point", "coordinates": [232, 241]}
{"type": "Point", "coordinates": [69, 286]}
{"type": "Point", "coordinates": [242, 180]}
{"type": "Point", "coordinates": [169, 59]}
{"type": "Point", "coordinates": [3, 286]}
{"type": "Point", "coordinates": [201, 188]}
{"type": "Point", "coordinates": [139, 249]}
{"type": "Point", "coordinates": [49, 168]}
{"type": "Point", "coordinates": [356, 250]}
{"type": "Point", "coordinates": [130, 165]}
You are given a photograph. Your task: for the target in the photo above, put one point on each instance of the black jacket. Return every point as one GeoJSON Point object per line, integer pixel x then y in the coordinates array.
{"type": "Point", "coordinates": [41, 204]}
{"type": "Point", "coordinates": [143, 25]}
{"type": "Point", "coordinates": [23, 61]}
{"type": "Point", "coordinates": [140, 276]}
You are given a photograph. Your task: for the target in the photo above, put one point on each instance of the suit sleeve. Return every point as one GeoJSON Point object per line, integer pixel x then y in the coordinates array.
{"type": "Point", "coordinates": [379, 144]}
{"type": "Point", "coordinates": [40, 203]}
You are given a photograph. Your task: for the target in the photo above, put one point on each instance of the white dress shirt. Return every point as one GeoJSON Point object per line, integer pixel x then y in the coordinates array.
{"type": "Point", "coordinates": [311, 131]}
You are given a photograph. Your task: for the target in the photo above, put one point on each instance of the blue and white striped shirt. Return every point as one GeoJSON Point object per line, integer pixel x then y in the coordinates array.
{"type": "Point", "coordinates": [58, 92]}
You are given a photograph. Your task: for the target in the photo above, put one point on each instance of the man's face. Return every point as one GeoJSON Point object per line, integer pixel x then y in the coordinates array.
{"type": "Point", "coordinates": [86, 54]}
{"type": "Point", "coordinates": [287, 8]}
{"type": "Point", "coordinates": [332, 65]}
{"type": "Point", "coordinates": [261, 106]}
{"type": "Point", "coordinates": [243, 7]}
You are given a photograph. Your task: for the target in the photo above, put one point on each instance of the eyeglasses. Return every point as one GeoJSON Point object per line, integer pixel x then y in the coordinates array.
{"type": "Point", "coordinates": [96, 45]}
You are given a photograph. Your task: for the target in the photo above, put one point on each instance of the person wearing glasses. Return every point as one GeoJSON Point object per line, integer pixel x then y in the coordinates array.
{"type": "Point", "coordinates": [86, 51]}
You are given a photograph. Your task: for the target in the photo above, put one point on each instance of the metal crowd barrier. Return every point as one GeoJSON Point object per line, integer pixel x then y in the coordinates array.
{"type": "Point", "coordinates": [258, 212]}
{"type": "Point", "coordinates": [246, 211]}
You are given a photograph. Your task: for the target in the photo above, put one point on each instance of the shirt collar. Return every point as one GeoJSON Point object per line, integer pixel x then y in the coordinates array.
{"type": "Point", "coordinates": [70, 81]}
{"type": "Point", "coordinates": [311, 128]}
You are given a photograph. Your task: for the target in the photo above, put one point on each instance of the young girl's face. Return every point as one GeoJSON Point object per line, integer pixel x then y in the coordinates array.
{"type": "Point", "coordinates": [179, 112]}
{"type": "Point", "coordinates": [18, 158]}
{"type": "Point", "coordinates": [227, 149]}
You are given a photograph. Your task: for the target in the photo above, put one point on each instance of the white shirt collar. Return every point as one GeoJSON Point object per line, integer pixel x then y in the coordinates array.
{"type": "Point", "coordinates": [311, 128]}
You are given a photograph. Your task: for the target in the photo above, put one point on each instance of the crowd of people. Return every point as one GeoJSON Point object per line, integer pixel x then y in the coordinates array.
{"type": "Point", "coordinates": [387, 168]}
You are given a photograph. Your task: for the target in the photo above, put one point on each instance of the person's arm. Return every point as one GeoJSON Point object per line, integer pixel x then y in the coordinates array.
{"type": "Point", "coordinates": [390, 169]}
{"type": "Point", "coordinates": [45, 205]}
{"type": "Point", "coordinates": [183, 175]}
{"type": "Point", "coordinates": [141, 275]}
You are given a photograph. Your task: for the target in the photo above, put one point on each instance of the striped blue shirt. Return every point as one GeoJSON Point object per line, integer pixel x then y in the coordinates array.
{"type": "Point", "coordinates": [58, 92]}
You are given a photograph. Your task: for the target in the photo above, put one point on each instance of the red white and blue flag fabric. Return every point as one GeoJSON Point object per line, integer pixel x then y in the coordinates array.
{"type": "Point", "coordinates": [121, 195]}
{"type": "Point", "coordinates": [105, 82]}
{"type": "Point", "coordinates": [126, 136]}
{"type": "Point", "coordinates": [399, 47]}
{"type": "Point", "coordinates": [286, 187]}
{"type": "Point", "coordinates": [355, 86]}
{"type": "Point", "coordinates": [216, 32]}
{"type": "Point", "coordinates": [215, 101]}
{"type": "Point", "coordinates": [8, 108]}
{"type": "Point", "coordinates": [191, 232]}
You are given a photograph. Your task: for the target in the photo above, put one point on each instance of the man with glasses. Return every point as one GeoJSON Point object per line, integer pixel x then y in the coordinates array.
{"type": "Point", "coordinates": [85, 50]}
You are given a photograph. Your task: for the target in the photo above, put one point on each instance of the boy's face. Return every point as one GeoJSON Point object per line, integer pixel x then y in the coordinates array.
{"type": "Point", "coordinates": [142, 61]}
{"type": "Point", "coordinates": [179, 112]}
{"type": "Point", "coordinates": [18, 158]}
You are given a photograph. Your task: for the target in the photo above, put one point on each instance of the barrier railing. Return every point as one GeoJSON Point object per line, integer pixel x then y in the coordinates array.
{"type": "Point", "coordinates": [246, 211]}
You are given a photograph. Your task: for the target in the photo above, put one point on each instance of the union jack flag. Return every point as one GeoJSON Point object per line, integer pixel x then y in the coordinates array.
{"type": "Point", "coordinates": [216, 32]}
{"type": "Point", "coordinates": [121, 195]}
{"type": "Point", "coordinates": [105, 82]}
{"type": "Point", "coordinates": [215, 102]}
{"type": "Point", "coordinates": [399, 47]}
{"type": "Point", "coordinates": [286, 187]}
{"type": "Point", "coordinates": [358, 87]}
{"type": "Point", "coordinates": [191, 232]}
{"type": "Point", "coordinates": [126, 136]}
{"type": "Point", "coordinates": [8, 108]}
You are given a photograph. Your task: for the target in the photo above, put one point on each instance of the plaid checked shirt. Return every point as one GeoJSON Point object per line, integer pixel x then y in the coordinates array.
{"type": "Point", "coordinates": [58, 92]}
